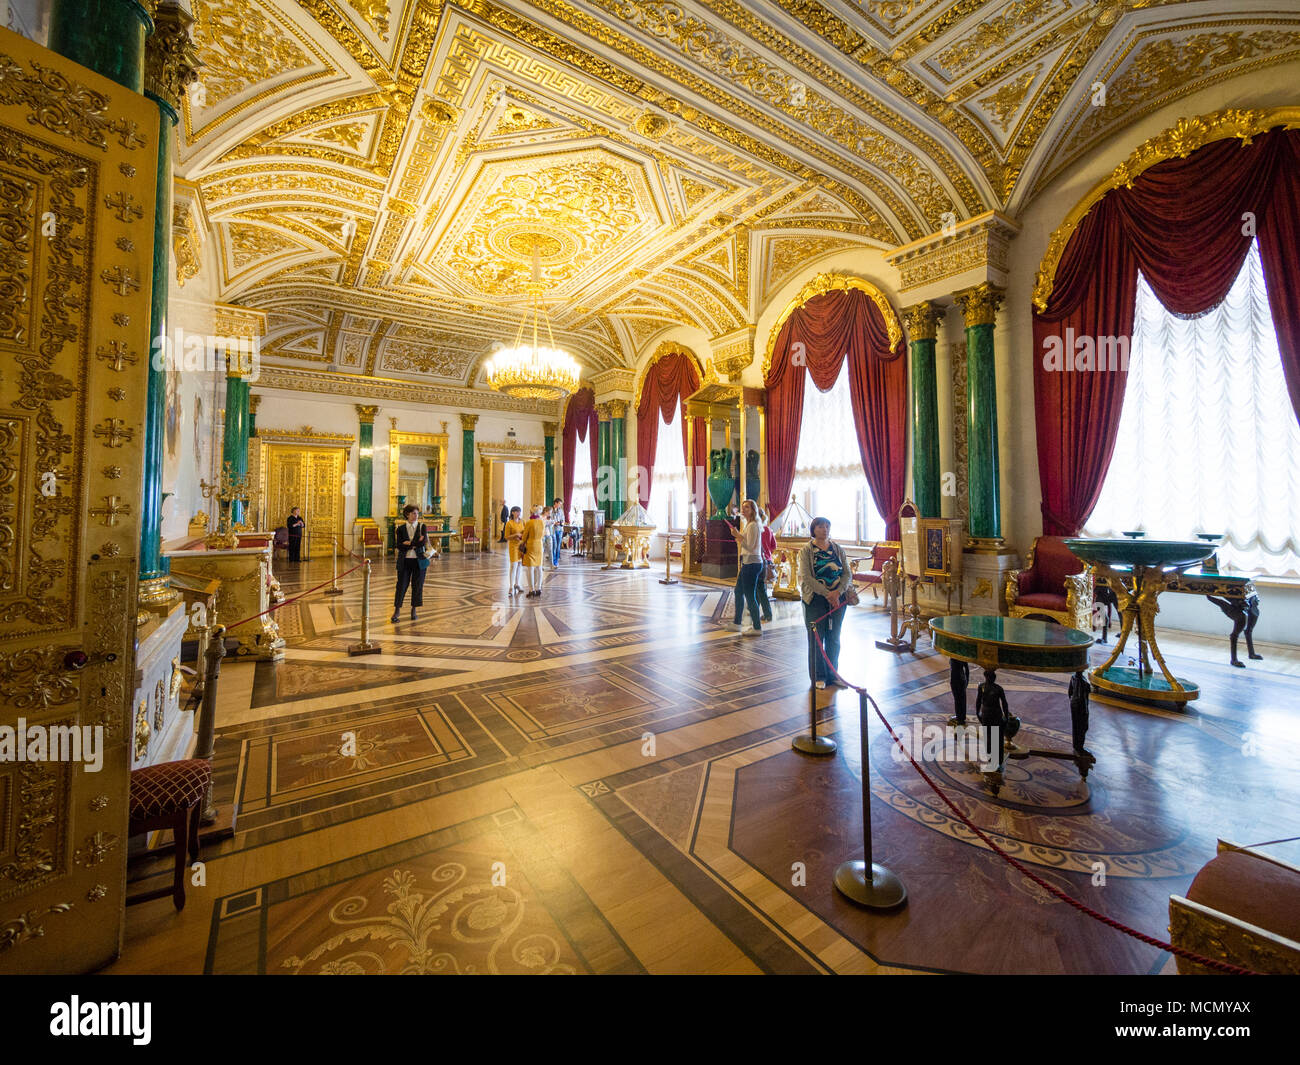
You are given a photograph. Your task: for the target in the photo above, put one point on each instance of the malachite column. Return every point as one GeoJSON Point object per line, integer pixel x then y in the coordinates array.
{"type": "Point", "coordinates": [253, 401]}
{"type": "Point", "coordinates": [550, 429]}
{"type": "Point", "coordinates": [431, 491]}
{"type": "Point", "coordinates": [107, 36]}
{"type": "Point", "coordinates": [234, 450]}
{"type": "Point", "coordinates": [600, 476]}
{"type": "Point", "coordinates": [618, 452]}
{"type": "Point", "coordinates": [467, 423]}
{"type": "Point", "coordinates": [922, 331]}
{"type": "Point", "coordinates": [980, 305]}
{"type": "Point", "coordinates": [365, 462]}
{"type": "Point", "coordinates": [170, 66]}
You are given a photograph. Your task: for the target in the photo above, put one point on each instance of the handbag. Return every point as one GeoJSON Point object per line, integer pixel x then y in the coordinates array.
{"type": "Point", "coordinates": [424, 555]}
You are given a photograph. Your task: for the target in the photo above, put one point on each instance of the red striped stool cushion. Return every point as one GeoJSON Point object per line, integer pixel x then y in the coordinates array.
{"type": "Point", "coordinates": [158, 790]}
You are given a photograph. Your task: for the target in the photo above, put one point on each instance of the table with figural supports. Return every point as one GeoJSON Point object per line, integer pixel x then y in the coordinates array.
{"type": "Point", "coordinates": [1023, 644]}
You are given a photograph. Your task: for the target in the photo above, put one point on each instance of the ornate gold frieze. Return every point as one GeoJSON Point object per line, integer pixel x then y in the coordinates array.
{"type": "Point", "coordinates": [733, 352]}
{"type": "Point", "coordinates": [1177, 142]}
{"type": "Point", "coordinates": [822, 284]}
{"type": "Point", "coordinates": [978, 244]}
{"type": "Point", "coordinates": [189, 231]}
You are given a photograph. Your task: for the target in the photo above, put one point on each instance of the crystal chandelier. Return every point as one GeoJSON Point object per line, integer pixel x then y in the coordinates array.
{"type": "Point", "coordinates": [530, 369]}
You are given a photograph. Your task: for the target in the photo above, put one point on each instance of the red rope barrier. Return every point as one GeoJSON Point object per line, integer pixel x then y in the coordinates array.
{"type": "Point", "coordinates": [294, 599]}
{"type": "Point", "coordinates": [1083, 907]}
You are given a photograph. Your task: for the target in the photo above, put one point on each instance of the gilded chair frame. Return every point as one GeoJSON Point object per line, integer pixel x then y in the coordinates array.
{"type": "Point", "coordinates": [1078, 597]}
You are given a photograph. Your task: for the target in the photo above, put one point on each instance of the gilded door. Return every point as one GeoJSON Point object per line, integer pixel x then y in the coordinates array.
{"type": "Point", "coordinates": [310, 478]}
{"type": "Point", "coordinates": [78, 168]}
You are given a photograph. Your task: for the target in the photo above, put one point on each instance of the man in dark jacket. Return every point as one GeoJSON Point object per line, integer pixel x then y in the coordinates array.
{"type": "Point", "coordinates": [412, 538]}
{"type": "Point", "coordinates": [295, 525]}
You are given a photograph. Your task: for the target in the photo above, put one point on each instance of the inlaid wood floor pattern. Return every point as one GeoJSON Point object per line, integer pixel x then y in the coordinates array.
{"type": "Point", "coordinates": [601, 781]}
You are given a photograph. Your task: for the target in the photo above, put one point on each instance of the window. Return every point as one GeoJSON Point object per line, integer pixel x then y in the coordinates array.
{"type": "Point", "coordinates": [669, 499]}
{"type": "Point", "coordinates": [828, 477]}
{"type": "Point", "coordinates": [1208, 440]}
{"type": "Point", "coordinates": [584, 495]}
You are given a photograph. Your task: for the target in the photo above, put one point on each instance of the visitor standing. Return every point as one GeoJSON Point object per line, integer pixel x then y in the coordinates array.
{"type": "Point", "coordinates": [534, 535]}
{"type": "Point", "coordinates": [560, 519]}
{"type": "Point", "coordinates": [749, 542]}
{"type": "Point", "coordinates": [513, 531]}
{"type": "Point", "coordinates": [295, 526]}
{"type": "Point", "coordinates": [412, 539]}
{"type": "Point", "coordinates": [826, 586]}
{"type": "Point", "coordinates": [505, 517]}
{"type": "Point", "coordinates": [767, 545]}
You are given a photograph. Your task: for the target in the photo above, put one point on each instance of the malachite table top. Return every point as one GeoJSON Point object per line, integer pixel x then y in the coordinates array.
{"type": "Point", "coordinates": [1011, 632]}
{"type": "Point", "coordinates": [1173, 553]}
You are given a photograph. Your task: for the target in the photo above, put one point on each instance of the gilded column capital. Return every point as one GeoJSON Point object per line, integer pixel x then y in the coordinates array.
{"type": "Point", "coordinates": [550, 428]}
{"type": "Point", "coordinates": [980, 304]}
{"type": "Point", "coordinates": [171, 63]}
{"type": "Point", "coordinates": [617, 409]}
{"type": "Point", "coordinates": [923, 320]}
{"type": "Point", "coordinates": [253, 403]}
{"type": "Point", "coordinates": [366, 412]}
{"type": "Point", "coordinates": [468, 421]}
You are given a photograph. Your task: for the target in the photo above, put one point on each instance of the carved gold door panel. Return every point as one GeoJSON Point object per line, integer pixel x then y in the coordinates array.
{"type": "Point", "coordinates": [310, 478]}
{"type": "Point", "coordinates": [78, 166]}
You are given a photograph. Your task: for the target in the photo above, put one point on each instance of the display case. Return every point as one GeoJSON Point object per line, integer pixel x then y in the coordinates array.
{"type": "Point", "coordinates": [735, 423]}
{"type": "Point", "coordinates": [792, 529]}
{"type": "Point", "coordinates": [633, 529]}
{"type": "Point", "coordinates": [593, 534]}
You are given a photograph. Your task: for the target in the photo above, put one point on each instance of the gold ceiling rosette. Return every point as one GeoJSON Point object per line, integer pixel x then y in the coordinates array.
{"type": "Point", "coordinates": [530, 369]}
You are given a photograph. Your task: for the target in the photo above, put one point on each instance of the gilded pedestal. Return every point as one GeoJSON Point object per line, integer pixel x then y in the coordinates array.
{"type": "Point", "coordinates": [244, 574]}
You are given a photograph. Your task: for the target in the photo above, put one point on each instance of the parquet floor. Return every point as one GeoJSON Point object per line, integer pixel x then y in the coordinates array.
{"type": "Point", "coordinates": [602, 781]}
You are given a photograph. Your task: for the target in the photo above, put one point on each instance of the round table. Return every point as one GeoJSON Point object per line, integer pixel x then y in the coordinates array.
{"type": "Point", "coordinates": [1026, 645]}
{"type": "Point", "coordinates": [1137, 571]}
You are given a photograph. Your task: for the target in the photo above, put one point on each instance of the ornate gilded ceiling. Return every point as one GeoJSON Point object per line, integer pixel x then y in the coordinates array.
{"type": "Point", "coordinates": [382, 175]}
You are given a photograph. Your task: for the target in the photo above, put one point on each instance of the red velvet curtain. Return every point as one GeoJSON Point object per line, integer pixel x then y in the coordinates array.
{"type": "Point", "coordinates": [668, 381]}
{"type": "Point", "coordinates": [1186, 224]}
{"type": "Point", "coordinates": [831, 327]}
{"type": "Point", "coordinates": [580, 420]}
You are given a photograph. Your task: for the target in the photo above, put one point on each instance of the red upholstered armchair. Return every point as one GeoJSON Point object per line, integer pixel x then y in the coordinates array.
{"type": "Point", "coordinates": [1054, 584]}
{"type": "Point", "coordinates": [872, 576]}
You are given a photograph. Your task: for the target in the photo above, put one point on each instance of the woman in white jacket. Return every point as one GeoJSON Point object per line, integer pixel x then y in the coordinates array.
{"type": "Point", "coordinates": [749, 541]}
{"type": "Point", "coordinates": [824, 580]}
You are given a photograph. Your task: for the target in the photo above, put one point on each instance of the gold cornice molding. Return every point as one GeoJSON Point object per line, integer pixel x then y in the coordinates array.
{"type": "Point", "coordinates": [980, 243]}
{"type": "Point", "coordinates": [616, 383]}
{"type": "Point", "coordinates": [820, 285]}
{"type": "Point", "coordinates": [306, 436]}
{"type": "Point", "coordinates": [922, 320]}
{"type": "Point", "coordinates": [356, 386]}
{"type": "Point", "coordinates": [733, 351]}
{"type": "Point", "coordinates": [979, 305]}
{"type": "Point", "coordinates": [509, 450]}
{"type": "Point", "coordinates": [232, 320]}
{"type": "Point", "coordinates": [1176, 142]}
{"type": "Point", "coordinates": [667, 347]}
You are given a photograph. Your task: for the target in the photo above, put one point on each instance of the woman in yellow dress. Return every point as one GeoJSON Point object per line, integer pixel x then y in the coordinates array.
{"type": "Point", "coordinates": [534, 537]}
{"type": "Point", "coordinates": [514, 535]}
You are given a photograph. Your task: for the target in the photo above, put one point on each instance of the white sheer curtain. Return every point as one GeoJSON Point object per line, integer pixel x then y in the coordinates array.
{"type": "Point", "coordinates": [584, 494]}
{"type": "Point", "coordinates": [668, 486]}
{"type": "Point", "coordinates": [1208, 440]}
{"type": "Point", "coordinates": [828, 477]}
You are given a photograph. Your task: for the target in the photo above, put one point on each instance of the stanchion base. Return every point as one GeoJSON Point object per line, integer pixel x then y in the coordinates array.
{"type": "Point", "coordinates": [884, 891]}
{"type": "Point", "coordinates": [814, 744]}
{"type": "Point", "coordinates": [669, 580]}
{"type": "Point", "coordinates": [890, 645]}
{"type": "Point", "coordinates": [364, 649]}
{"type": "Point", "coordinates": [333, 591]}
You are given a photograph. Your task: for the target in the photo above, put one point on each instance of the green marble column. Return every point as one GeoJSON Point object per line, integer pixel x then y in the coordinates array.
{"type": "Point", "coordinates": [253, 401]}
{"type": "Point", "coordinates": [922, 330]}
{"type": "Point", "coordinates": [600, 479]}
{"type": "Point", "coordinates": [107, 36]}
{"type": "Point", "coordinates": [979, 305]}
{"type": "Point", "coordinates": [467, 423]}
{"type": "Point", "coordinates": [618, 453]}
{"type": "Point", "coordinates": [234, 449]}
{"type": "Point", "coordinates": [170, 65]}
{"type": "Point", "coordinates": [365, 461]}
{"type": "Point", "coordinates": [550, 429]}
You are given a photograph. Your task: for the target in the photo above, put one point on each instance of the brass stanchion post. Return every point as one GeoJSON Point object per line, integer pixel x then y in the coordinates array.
{"type": "Point", "coordinates": [882, 890]}
{"type": "Point", "coordinates": [812, 743]}
{"type": "Point", "coordinates": [668, 561]}
{"type": "Point", "coordinates": [365, 647]}
{"type": "Point", "coordinates": [334, 588]}
{"type": "Point", "coordinates": [206, 740]}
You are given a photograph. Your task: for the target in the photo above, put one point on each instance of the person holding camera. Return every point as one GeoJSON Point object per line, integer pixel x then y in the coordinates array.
{"type": "Point", "coordinates": [412, 538]}
{"type": "Point", "coordinates": [748, 538]}
{"type": "Point", "coordinates": [826, 586]}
